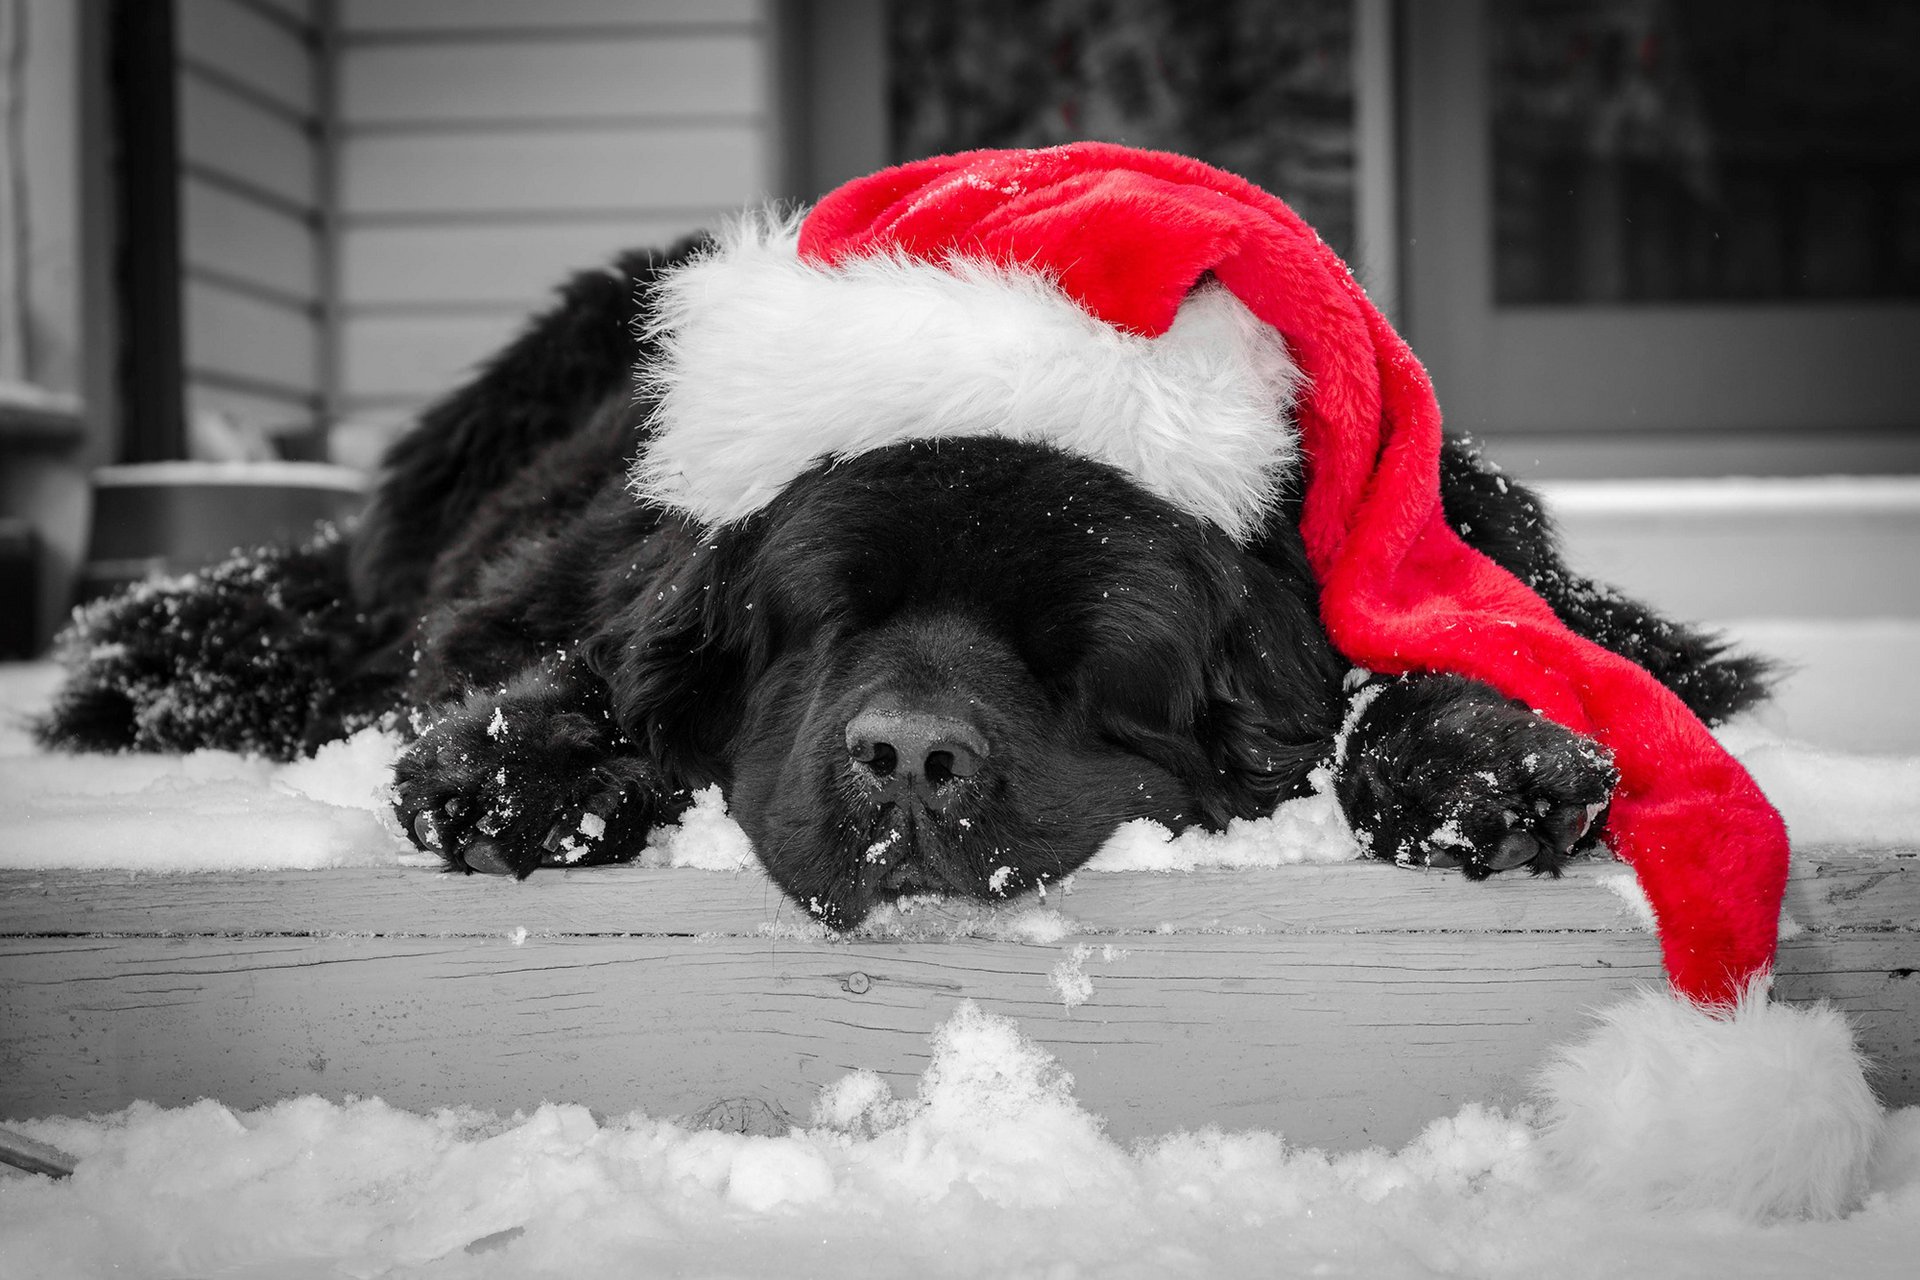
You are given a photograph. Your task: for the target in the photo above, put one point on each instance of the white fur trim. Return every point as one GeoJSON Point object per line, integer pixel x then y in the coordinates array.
{"type": "Point", "coordinates": [1764, 1111]}
{"type": "Point", "coordinates": [768, 364]}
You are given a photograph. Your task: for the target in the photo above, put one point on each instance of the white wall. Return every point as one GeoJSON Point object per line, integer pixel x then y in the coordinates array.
{"type": "Point", "coordinates": [488, 147]}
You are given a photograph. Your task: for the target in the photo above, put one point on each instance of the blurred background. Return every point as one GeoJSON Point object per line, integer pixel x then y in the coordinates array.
{"type": "Point", "coordinates": [1641, 244]}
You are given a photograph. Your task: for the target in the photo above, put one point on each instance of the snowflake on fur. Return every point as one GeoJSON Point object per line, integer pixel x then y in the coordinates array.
{"type": "Point", "coordinates": [157, 667]}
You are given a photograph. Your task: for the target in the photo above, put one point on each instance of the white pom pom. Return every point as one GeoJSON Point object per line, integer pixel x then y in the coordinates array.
{"type": "Point", "coordinates": [1764, 1111]}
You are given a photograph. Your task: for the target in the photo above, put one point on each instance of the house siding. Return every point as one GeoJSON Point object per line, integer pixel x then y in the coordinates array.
{"type": "Point", "coordinates": [252, 193]}
{"type": "Point", "coordinates": [487, 149]}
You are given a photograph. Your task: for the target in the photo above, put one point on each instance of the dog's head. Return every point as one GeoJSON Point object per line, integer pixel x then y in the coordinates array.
{"type": "Point", "coordinates": [958, 667]}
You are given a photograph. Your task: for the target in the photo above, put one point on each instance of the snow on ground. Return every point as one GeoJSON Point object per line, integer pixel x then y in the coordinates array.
{"type": "Point", "coordinates": [1850, 684]}
{"type": "Point", "coordinates": [214, 810]}
{"type": "Point", "coordinates": [992, 1169]}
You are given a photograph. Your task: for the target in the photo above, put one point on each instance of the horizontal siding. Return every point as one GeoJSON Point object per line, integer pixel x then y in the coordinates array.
{"type": "Point", "coordinates": [508, 267]}
{"type": "Point", "coordinates": [393, 359]}
{"type": "Point", "coordinates": [637, 172]}
{"type": "Point", "coordinates": [664, 78]}
{"type": "Point", "coordinates": [1341, 1005]}
{"type": "Point", "coordinates": [249, 97]}
{"type": "Point", "coordinates": [228, 135]}
{"type": "Point", "coordinates": [246, 240]}
{"type": "Point", "coordinates": [243, 43]}
{"type": "Point", "coordinates": [247, 340]}
{"type": "Point", "coordinates": [490, 148]}
{"type": "Point", "coordinates": [360, 18]}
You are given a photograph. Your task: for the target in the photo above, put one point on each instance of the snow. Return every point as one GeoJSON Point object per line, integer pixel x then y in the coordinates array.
{"type": "Point", "coordinates": [1310, 829]}
{"type": "Point", "coordinates": [1821, 495]}
{"type": "Point", "coordinates": [215, 810]}
{"type": "Point", "coordinates": [211, 810]}
{"type": "Point", "coordinates": [706, 839]}
{"type": "Point", "coordinates": [991, 1169]}
{"type": "Point", "coordinates": [1852, 684]}
{"type": "Point", "coordinates": [1833, 797]}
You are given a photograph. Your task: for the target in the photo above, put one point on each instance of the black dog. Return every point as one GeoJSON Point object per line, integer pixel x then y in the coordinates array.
{"type": "Point", "coordinates": [947, 667]}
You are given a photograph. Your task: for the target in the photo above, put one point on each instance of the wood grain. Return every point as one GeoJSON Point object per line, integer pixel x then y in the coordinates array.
{"type": "Point", "coordinates": [1342, 1006]}
{"type": "Point", "coordinates": [1833, 891]}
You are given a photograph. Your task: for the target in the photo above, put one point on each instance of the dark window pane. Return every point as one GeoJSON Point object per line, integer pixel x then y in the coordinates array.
{"type": "Point", "coordinates": [1705, 150]}
{"type": "Point", "coordinates": [1259, 88]}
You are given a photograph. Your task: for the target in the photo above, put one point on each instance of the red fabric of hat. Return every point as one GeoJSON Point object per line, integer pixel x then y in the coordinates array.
{"type": "Point", "coordinates": [1127, 234]}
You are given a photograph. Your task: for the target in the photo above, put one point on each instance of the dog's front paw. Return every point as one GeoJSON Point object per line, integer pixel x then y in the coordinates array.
{"type": "Point", "coordinates": [1441, 771]}
{"type": "Point", "coordinates": [505, 790]}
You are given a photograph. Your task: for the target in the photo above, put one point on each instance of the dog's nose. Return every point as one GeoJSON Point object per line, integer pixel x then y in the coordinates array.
{"type": "Point", "coordinates": [920, 749]}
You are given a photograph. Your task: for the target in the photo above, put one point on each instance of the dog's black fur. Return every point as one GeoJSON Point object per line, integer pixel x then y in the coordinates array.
{"type": "Point", "coordinates": [951, 667]}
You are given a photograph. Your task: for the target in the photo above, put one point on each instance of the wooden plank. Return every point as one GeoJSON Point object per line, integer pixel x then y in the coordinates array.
{"type": "Point", "coordinates": [625, 172]}
{"type": "Point", "coordinates": [364, 17]}
{"type": "Point", "coordinates": [256, 340]}
{"type": "Point", "coordinates": [653, 77]}
{"type": "Point", "coordinates": [246, 45]}
{"type": "Point", "coordinates": [419, 355]}
{"type": "Point", "coordinates": [515, 267]}
{"type": "Point", "coordinates": [1342, 1005]}
{"type": "Point", "coordinates": [242, 238]}
{"type": "Point", "coordinates": [230, 136]}
{"type": "Point", "coordinates": [1833, 891]}
{"type": "Point", "coordinates": [1340, 1040]}
{"type": "Point", "coordinates": [1326, 1042]}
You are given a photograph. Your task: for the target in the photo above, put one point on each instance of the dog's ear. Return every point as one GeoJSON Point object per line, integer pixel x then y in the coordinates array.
{"type": "Point", "coordinates": [1272, 683]}
{"type": "Point", "coordinates": [682, 648]}
{"type": "Point", "coordinates": [1236, 691]}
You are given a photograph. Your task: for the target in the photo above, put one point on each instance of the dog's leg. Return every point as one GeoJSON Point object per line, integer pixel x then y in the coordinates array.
{"type": "Point", "coordinates": [1444, 771]}
{"type": "Point", "coordinates": [261, 653]}
{"type": "Point", "coordinates": [535, 774]}
{"type": "Point", "coordinates": [1506, 521]}
{"type": "Point", "coordinates": [1699, 666]}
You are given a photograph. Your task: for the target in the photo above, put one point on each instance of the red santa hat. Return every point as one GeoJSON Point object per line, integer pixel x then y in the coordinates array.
{"type": "Point", "coordinates": [1181, 323]}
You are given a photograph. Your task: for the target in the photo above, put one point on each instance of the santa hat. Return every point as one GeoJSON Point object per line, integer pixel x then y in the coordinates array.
{"type": "Point", "coordinates": [1174, 320]}
{"type": "Point", "coordinates": [1182, 324]}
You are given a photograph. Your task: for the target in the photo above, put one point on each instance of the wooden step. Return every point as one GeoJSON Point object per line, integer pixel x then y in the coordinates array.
{"type": "Point", "coordinates": [1342, 1006]}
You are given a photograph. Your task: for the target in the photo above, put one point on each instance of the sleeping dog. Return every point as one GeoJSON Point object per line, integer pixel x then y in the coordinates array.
{"type": "Point", "coordinates": [940, 666]}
